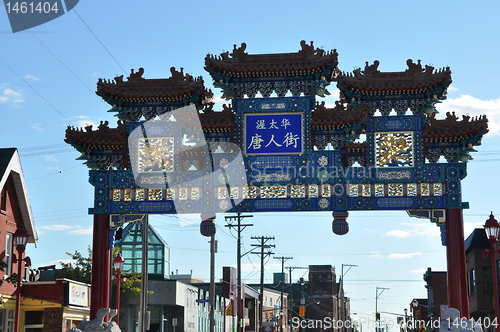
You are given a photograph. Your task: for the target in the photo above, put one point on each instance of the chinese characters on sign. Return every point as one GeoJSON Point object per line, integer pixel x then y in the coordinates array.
{"type": "Point", "coordinates": [273, 133]}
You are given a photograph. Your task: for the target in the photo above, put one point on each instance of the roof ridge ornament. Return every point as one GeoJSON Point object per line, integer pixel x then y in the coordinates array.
{"type": "Point", "coordinates": [239, 52]}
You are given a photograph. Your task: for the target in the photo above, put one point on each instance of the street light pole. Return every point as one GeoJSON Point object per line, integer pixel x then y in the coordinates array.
{"type": "Point", "coordinates": [406, 320]}
{"type": "Point", "coordinates": [240, 228]}
{"type": "Point", "coordinates": [118, 262]}
{"type": "Point", "coordinates": [377, 314]}
{"type": "Point", "coordinates": [492, 229]}
{"type": "Point", "coordinates": [283, 259]}
{"type": "Point", "coordinates": [21, 237]}
{"type": "Point", "coordinates": [342, 296]}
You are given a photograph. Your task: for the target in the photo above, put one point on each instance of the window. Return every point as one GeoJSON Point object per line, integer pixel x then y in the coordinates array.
{"type": "Point", "coordinates": [486, 280]}
{"type": "Point", "coordinates": [8, 254]}
{"type": "Point", "coordinates": [2, 320]}
{"type": "Point", "coordinates": [471, 281]}
{"type": "Point", "coordinates": [10, 320]}
{"type": "Point", "coordinates": [3, 198]}
{"type": "Point", "coordinates": [33, 321]}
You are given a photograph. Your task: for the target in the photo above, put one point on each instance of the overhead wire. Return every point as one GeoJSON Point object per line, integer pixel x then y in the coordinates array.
{"type": "Point", "coordinates": [55, 56]}
{"type": "Point", "coordinates": [38, 93]}
{"type": "Point", "coordinates": [91, 31]}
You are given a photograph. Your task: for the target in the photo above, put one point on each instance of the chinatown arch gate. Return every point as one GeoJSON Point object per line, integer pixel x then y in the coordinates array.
{"type": "Point", "coordinates": [298, 154]}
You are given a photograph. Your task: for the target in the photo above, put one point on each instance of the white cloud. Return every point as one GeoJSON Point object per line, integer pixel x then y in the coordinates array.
{"type": "Point", "coordinates": [37, 126]}
{"type": "Point", "coordinates": [472, 106]}
{"type": "Point", "coordinates": [401, 255]}
{"type": "Point", "coordinates": [12, 97]}
{"type": "Point", "coordinates": [469, 227]}
{"type": "Point", "coordinates": [415, 229]}
{"type": "Point", "coordinates": [419, 271]}
{"type": "Point", "coordinates": [375, 254]}
{"type": "Point", "coordinates": [84, 121]}
{"type": "Point", "coordinates": [451, 88]}
{"type": "Point", "coordinates": [75, 230]}
{"type": "Point", "coordinates": [56, 227]}
{"type": "Point", "coordinates": [31, 77]}
{"type": "Point", "coordinates": [82, 231]}
{"type": "Point", "coordinates": [58, 262]}
{"type": "Point", "coordinates": [398, 233]}
{"type": "Point", "coordinates": [50, 159]}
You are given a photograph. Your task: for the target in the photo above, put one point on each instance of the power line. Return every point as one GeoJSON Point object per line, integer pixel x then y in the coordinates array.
{"type": "Point", "coordinates": [60, 61]}
{"type": "Point", "coordinates": [111, 55]}
{"type": "Point", "coordinates": [38, 93]}
{"type": "Point", "coordinates": [44, 176]}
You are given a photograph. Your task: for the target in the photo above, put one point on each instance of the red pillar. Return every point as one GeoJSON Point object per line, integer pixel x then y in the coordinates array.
{"type": "Point", "coordinates": [455, 253]}
{"type": "Point", "coordinates": [101, 265]}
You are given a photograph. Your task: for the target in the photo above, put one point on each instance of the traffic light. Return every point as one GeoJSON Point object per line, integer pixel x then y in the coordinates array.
{"type": "Point", "coordinates": [377, 316]}
{"type": "Point", "coordinates": [302, 311]}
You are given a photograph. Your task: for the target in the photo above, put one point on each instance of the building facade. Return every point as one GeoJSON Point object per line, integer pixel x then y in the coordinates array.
{"type": "Point", "coordinates": [15, 215]}
{"type": "Point", "coordinates": [436, 284]}
{"type": "Point", "coordinates": [480, 285]}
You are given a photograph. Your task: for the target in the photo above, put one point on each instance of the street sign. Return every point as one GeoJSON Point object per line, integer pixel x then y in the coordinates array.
{"type": "Point", "coordinates": [202, 300]}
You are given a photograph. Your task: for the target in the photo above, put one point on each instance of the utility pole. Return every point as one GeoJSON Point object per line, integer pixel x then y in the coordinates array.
{"type": "Point", "coordinates": [377, 314]}
{"type": "Point", "coordinates": [262, 245]}
{"type": "Point", "coordinates": [213, 251]}
{"type": "Point", "coordinates": [283, 259]}
{"type": "Point", "coordinates": [290, 269]}
{"type": "Point", "coordinates": [342, 297]}
{"type": "Point", "coordinates": [240, 227]}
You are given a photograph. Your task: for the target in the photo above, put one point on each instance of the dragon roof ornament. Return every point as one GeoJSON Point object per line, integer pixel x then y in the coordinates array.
{"type": "Point", "coordinates": [307, 60]}
{"type": "Point", "coordinates": [136, 88]}
{"type": "Point", "coordinates": [415, 79]}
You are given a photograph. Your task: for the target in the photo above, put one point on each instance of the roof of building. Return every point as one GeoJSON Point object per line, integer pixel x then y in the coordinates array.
{"type": "Point", "coordinates": [338, 116]}
{"type": "Point", "coordinates": [10, 164]}
{"type": "Point", "coordinates": [415, 79]}
{"type": "Point", "coordinates": [218, 121]}
{"type": "Point", "coordinates": [239, 63]}
{"type": "Point", "coordinates": [180, 86]}
{"type": "Point", "coordinates": [476, 239]}
{"type": "Point", "coordinates": [451, 128]}
{"type": "Point", "coordinates": [132, 233]}
{"type": "Point", "coordinates": [103, 136]}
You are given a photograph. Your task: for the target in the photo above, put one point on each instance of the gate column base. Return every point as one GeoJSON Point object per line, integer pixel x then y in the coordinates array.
{"type": "Point", "coordinates": [455, 254]}
{"type": "Point", "coordinates": [101, 265]}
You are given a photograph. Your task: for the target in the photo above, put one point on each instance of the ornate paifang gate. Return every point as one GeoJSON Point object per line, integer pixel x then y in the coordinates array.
{"type": "Point", "coordinates": [299, 155]}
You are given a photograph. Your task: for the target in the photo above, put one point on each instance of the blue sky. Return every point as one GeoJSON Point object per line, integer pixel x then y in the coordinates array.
{"type": "Point", "coordinates": [48, 76]}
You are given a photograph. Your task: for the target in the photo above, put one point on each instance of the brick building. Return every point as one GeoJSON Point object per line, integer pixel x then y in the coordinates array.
{"type": "Point", "coordinates": [15, 214]}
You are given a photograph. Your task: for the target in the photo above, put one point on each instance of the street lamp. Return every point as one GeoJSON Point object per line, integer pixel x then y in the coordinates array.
{"type": "Point", "coordinates": [492, 228]}
{"type": "Point", "coordinates": [406, 319]}
{"type": "Point", "coordinates": [21, 237]}
{"type": "Point", "coordinates": [118, 262]}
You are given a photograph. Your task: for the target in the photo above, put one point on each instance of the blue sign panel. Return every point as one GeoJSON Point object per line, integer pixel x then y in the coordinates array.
{"type": "Point", "coordinates": [273, 133]}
